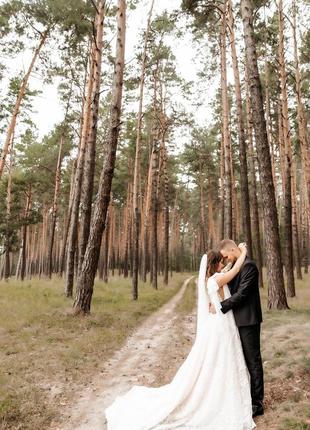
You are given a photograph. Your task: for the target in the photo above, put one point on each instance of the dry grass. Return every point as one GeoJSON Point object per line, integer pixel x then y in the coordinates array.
{"type": "Point", "coordinates": [286, 346]}
{"type": "Point", "coordinates": [188, 302]}
{"type": "Point", "coordinates": [46, 354]}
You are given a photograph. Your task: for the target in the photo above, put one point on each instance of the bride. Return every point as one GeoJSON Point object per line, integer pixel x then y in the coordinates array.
{"type": "Point", "coordinates": [211, 389]}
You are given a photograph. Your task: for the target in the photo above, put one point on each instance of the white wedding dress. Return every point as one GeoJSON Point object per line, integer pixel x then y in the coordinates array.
{"type": "Point", "coordinates": [211, 389]}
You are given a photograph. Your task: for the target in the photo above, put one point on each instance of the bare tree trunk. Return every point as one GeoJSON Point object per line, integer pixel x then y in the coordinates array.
{"type": "Point", "coordinates": [87, 275]}
{"type": "Point", "coordinates": [301, 120]}
{"type": "Point", "coordinates": [154, 190]}
{"type": "Point", "coordinates": [202, 206]}
{"type": "Point", "coordinates": [106, 251]}
{"type": "Point", "coordinates": [67, 223]}
{"type": "Point", "coordinates": [137, 174]}
{"type": "Point", "coordinates": [234, 200]}
{"type": "Point", "coordinates": [287, 179]}
{"type": "Point", "coordinates": [18, 102]}
{"type": "Point", "coordinates": [32, 252]}
{"type": "Point", "coordinates": [127, 221]}
{"type": "Point", "coordinates": [73, 230]}
{"type": "Point", "coordinates": [254, 199]}
{"type": "Point", "coordinates": [166, 217]}
{"type": "Point", "coordinates": [228, 228]}
{"type": "Point", "coordinates": [145, 232]}
{"type": "Point", "coordinates": [90, 153]}
{"type": "Point", "coordinates": [269, 125]}
{"type": "Point", "coordinates": [245, 200]}
{"type": "Point", "coordinates": [154, 213]}
{"type": "Point", "coordinates": [305, 218]}
{"type": "Point", "coordinates": [43, 242]}
{"type": "Point", "coordinates": [276, 291]}
{"type": "Point", "coordinates": [288, 240]}
{"type": "Point", "coordinates": [24, 236]}
{"type": "Point", "coordinates": [296, 235]}
{"type": "Point", "coordinates": [111, 252]}
{"type": "Point", "coordinates": [54, 209]}
{"type": "Point", "coordinates": [8, 232]}
{"type": "Point", "coordinates": [212, 235]}
{"type": "Point", "coordinates": [303, 141]}
{"type": "Point", "coordinates": [222, 191]}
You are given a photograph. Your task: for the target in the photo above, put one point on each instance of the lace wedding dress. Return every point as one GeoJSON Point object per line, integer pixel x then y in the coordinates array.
{"type": "Point", "coordinates": [211, 389]}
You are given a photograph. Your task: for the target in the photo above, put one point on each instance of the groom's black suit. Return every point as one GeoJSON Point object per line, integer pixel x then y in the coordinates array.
{"type": "Point", "coordinates": [245, 303]}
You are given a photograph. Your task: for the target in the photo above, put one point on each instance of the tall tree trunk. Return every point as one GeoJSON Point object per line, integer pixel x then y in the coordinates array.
{"type": "Point", "coordinates": [106, 249]}
{"type": "Point", "coordinates": [269, 125]}
{"type": "Point", "coordinates": [112, 239]}
{"type": "Point", "coordinates": [301, 120]}
{"type": "Point", "coordinates": [222, 190]}
{"type": "Point", "coordinates": [43, 243]}
{"type": "Point", "coordinates": [288, 239]}
{"type": "Point", "coordinates": [18, 102]}
{"type": "Point", "coordinates": [302, 134]}
{"type": "Point", "coordinates": [296, 235]}
{"type": "Point", "coordinates": [202, 207]}
{"type": "Point", "coordinates": [90, 152]}
{"type": "Point", "coordinates": [211, 228]}
{"type": "Point", "coordinates": [287, 179]}
{"type": "Point", "coordinates": [228, 229]}
{"type": "Point", "coordinates": [73, 230]}
{"type": "Point", "coordinates": [254, 199]}
{"type": "Point", "coordinates": [305, 221]}
{"type": "Point", "coordinates": [145, 231]}
{"type": "Point", "coordinates": [55, 209]}
{"type": "Point", "coordinates": [154, 213]}
{"type": "Point", "coordinates": [8, 230]}
{"type": "Point", "coordinates": [154, 190]}
{"type": "Point", "coordinates": [276, 291]}
{"type": "Point", "coordinates": [24, 236]}
{"type": "Point", "coordinates": [85, 282]}
{"type": "Point", "coordinates": [137, 174]}
{"type": "Point", "coordinates": [245, 200]}
{"type": "Point", "coordinates": [67, 223]}
{"type": "Point", "coordinates": [166, 217]}
{"type": "Point", "coordinates": [31, 251]}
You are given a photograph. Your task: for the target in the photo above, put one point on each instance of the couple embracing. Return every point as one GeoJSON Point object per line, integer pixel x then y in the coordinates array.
{"type": "Point", "coordinates": [220, 384]}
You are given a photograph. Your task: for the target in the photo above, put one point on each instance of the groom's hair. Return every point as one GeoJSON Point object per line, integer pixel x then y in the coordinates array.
{"type": "Point", "coordinates": [226, 243]}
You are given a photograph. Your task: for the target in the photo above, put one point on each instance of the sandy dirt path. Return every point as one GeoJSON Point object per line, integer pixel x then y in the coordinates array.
{"type": "Point", "coordinates": [151, 356]}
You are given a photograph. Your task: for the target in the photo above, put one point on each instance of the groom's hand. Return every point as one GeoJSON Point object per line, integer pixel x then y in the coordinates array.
{"type": "Point", "coordinates": [212, 308]}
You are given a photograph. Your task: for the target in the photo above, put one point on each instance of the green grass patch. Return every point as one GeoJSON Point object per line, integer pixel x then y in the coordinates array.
{"type": "Point", "coordinates": [294, 424]}
{"type": "Point", "coordinates": [187, 304]}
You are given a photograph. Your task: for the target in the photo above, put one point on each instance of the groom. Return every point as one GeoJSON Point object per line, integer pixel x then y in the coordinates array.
{"type": "Point", "coordinates": [245, 303]}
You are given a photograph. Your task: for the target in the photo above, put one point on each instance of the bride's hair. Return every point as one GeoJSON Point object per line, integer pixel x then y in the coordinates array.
{"type": "Point", "coordinates": [214, 258]}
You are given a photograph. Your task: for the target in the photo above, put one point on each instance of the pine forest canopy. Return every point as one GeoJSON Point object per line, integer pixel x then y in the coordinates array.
{"type": "Point", "coordinates": [170, 136]}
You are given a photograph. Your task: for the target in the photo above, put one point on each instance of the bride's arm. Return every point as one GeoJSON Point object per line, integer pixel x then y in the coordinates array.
{"type": "Point", "coordinates": [224, 278]}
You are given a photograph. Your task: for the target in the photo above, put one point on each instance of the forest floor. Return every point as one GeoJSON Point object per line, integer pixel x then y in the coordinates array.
{"type": "Point", "coordinates": [151, 353]}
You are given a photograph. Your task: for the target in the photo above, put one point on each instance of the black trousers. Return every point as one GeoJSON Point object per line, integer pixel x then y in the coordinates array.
{"type": "Point", "coordinates": [250, 339]}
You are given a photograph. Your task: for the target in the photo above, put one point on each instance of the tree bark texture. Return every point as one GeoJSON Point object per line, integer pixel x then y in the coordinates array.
{"type": "Point", "coordinates": [276, 291]}
{"type": "Point", "coordinates": [90, 151]}
{"type": "Point", "coordinates": [85, 282]}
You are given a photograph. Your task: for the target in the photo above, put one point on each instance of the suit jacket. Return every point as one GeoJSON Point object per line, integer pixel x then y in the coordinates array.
{"type": "Point", "coordinates": [245, 299]}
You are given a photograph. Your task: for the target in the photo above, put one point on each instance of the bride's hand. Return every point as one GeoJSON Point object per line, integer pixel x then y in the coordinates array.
{"type": "Point", "coordinates": [242, 247]}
